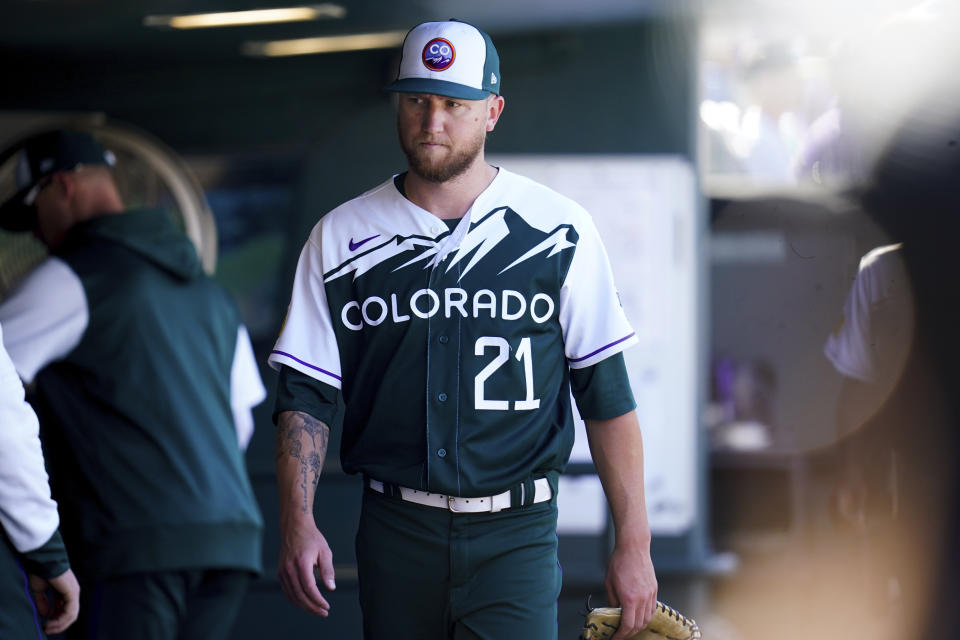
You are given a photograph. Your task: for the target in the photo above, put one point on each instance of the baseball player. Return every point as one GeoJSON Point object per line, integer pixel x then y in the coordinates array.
{"type": "Point", "coordinates": [449, 311]}
{"type": "Point", "coordinates": [30, 541]}
{"type": "Point", "coordinates": [869, 348]}
{"type": "Point", "coordinates": [144, 378]}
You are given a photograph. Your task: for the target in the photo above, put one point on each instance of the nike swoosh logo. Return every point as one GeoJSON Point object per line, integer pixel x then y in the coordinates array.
{"type": "Point", "coordinates": [356, 245]}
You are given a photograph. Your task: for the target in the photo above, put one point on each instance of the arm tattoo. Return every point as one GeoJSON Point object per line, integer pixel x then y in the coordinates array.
{"type": "Point", "coordinates": [304, 438]}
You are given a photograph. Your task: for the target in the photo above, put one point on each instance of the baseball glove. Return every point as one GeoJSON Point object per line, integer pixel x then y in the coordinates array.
{"type": "Point", "coordinates": [667, 624]}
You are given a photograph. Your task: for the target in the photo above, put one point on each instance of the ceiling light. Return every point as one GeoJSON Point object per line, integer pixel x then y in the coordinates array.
{"type": "Point", "coordinates": [327, 44]}
{"type": "Point", "coordinates": [242, 18]}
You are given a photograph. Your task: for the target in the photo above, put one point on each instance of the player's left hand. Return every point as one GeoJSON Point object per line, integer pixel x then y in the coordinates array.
{"type": "Point", "coordinates": [632, 585]}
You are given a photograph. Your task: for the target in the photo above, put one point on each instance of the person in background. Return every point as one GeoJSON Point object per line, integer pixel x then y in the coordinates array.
{"type": "Point", "coordinates": [144, 380]}
{"type": "Point", "coordinates": [869, 348]}
{"type": "Point", "coordinates": [905, 416]}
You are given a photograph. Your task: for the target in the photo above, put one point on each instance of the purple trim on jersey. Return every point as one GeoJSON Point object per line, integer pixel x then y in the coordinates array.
{"type": "Point", "coordinates": [606, 346]}
{"type": "Point", "coordinates": [306, 364]}
{"type": "Point", "coordinates": [33, 607]}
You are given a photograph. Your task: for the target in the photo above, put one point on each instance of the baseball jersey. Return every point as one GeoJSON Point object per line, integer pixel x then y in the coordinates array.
{"type": "Point", "coordinates": [452, 347]}
{"type": "Point", "coordinates": [28, 515]}
{"type": "Point", "coordinates": [871, 341]}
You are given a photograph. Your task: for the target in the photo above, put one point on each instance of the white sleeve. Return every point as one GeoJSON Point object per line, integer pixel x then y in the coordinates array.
{"type": "Point", "coordinates": [246, 387]}
{"type": "Point", "coordinates": [44, 317]}
{"type": "Point", "coordinates": [307, 341]}
{"type": "Point", "coordinates": [27, 512]}
{"type": "Point", "coordinates": [595, 326]}
{"type": "Point", "coordinates": [848, 347]}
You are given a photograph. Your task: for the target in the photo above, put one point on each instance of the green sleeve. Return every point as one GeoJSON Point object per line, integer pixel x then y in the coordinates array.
{"type": "Point", "coordinates": [299, 392]}
{"type": "Point", "coordinates": [603, 390]}
{"type": "Point", "coordinates": [49, 560]}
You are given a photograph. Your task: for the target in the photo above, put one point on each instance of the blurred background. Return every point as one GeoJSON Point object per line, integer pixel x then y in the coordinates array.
{"type": "Point", "coordinates": [740, 157]}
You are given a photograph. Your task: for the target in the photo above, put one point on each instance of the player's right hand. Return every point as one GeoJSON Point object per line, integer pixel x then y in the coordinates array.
{"type": "Point", "coordinates": [63, 611]}
{"type": "Point", "coordinates": [305, 557]}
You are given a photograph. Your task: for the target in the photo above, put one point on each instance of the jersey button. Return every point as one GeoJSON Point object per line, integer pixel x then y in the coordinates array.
{"type": "Point", "coordinates": [442, 453]}
{"type": "Point", "coordinates": [442, 397]}
{"type": "Point", "coordinates": [444, 339]}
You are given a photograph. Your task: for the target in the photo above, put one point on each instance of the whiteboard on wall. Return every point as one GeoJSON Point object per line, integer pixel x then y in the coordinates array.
{"type": "Point", "coordinates": [645, 208]}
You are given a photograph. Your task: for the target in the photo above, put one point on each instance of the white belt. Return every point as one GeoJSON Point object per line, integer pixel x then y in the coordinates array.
{"type": "Point", "coordinates": [491, 504]}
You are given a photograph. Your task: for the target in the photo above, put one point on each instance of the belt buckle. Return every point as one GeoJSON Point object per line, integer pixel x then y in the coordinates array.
{"type": "Point", "coordinates": [452, 500]}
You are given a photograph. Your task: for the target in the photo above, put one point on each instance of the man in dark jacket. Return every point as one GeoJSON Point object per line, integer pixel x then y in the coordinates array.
{"type": "Point", "coordinates": [145, 378]}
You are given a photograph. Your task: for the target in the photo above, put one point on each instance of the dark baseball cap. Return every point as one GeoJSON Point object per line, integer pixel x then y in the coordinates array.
{"type": "Point", "coordinates": [41, 156]}
{"type": "Point", "coordinates": [452, 58]}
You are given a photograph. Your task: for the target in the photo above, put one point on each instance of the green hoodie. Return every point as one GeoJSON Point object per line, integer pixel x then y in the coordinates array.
{"type": "Point", "coordinates": [136, 419]}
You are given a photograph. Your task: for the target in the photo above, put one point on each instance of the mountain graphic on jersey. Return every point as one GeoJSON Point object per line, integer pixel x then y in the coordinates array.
{"type": "Point", "coordinates": [497, 243]}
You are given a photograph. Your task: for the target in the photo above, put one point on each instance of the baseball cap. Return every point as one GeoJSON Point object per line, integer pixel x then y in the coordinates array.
{"type": "Point", "coordinates": [452, 58]}
{"type": "Point", "coordinates": [44, 155]}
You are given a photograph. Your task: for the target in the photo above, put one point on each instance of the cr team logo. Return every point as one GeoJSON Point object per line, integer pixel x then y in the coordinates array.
{"type": "Point", "coordinates": [438, 54]}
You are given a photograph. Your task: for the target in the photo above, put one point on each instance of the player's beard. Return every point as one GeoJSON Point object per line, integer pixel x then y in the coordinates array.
{"type": "Point", "coordinates": [453, 165]}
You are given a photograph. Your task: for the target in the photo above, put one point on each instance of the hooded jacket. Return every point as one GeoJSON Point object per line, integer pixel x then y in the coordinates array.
{"type": "Point", "coordinates": [135, 389]}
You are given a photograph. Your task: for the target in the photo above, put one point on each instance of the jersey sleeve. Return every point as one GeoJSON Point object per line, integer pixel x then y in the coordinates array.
{"type": "Point", "coordinates": [848, 347]}
{"type": "Point", "coordinates": [299, 392]}
{"type": "Point", "coordinates": [44, 318]}
{"type": "Point", "coordinates": [49, 560]}
{"type": "Point", "coordinates": [307, 341]}
{"type": "Point", "coordinates": [595, 326]}
{"type": "Point", "coordinates": [602, 391]}
{"type": "Point", "coordinates": [873, 338]}
{"type": "Point", "coordinates": [246, 387]}
{"type": "Point", "coordinates": [27, 512]}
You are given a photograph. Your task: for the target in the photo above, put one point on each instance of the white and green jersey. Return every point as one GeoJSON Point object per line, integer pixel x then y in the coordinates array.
{"type": "Point", "coordinates": [453, 347]}
{"type": "Point", "coordinates": [28, 515]}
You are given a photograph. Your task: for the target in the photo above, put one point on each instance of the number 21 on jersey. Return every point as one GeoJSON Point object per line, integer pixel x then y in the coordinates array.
{"type": "Point", "coordinates": [524, 355]}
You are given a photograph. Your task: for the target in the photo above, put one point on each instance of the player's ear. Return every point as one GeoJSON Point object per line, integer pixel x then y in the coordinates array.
{"type": "Point", "coordinates": [494, 109]}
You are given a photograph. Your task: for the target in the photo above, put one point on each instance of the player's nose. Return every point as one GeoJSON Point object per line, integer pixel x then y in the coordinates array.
{"type": "Point", "coordinates": [433, 116]}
